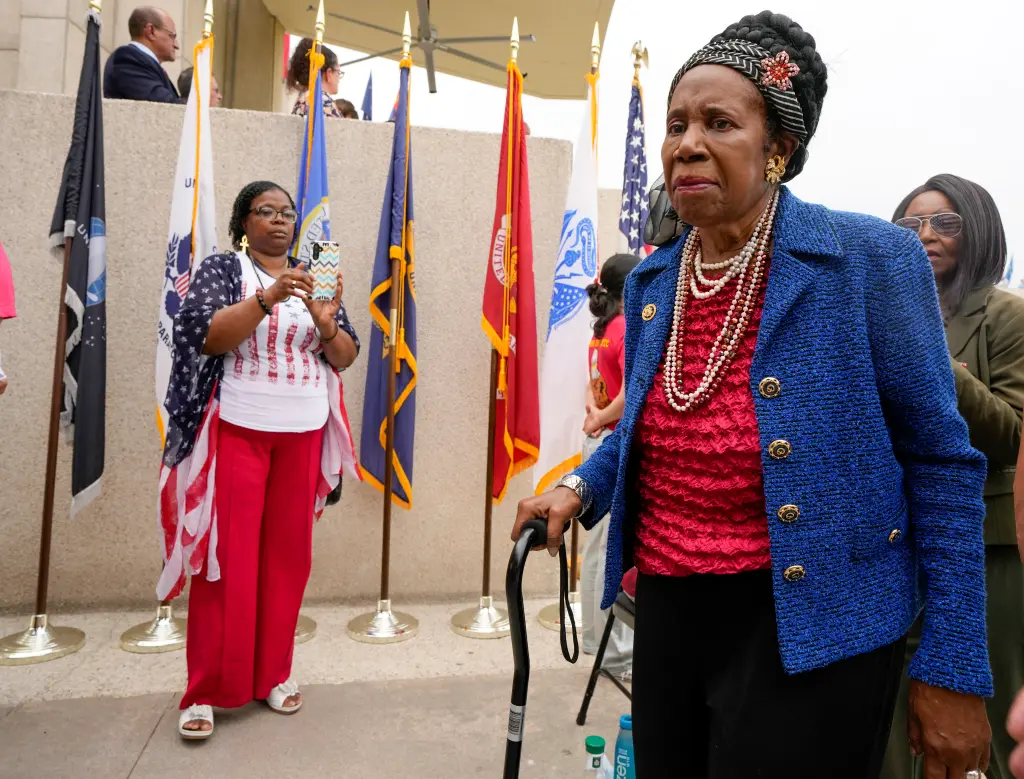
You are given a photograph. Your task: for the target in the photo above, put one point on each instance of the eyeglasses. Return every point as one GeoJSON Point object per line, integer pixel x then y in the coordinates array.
{"type": "Point", "coordinates": [172, 35]}
{"type": "Point", "coordinates": [267, 213]}
{"type": "Point", "coordinates": [947, 225]}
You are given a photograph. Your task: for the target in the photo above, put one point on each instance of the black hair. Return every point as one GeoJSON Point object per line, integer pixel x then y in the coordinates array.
{"type": "Point", "coordinates": [243, 205]}
{"type": "Point", "coordinates": [298, 65]}
{"type": "Point", "coordinates": [606, 293]}
{"type": "Point", "coordinates": [981, 259]}
{"type": "Point", "coordinates": [142, 16]}
{"type": "Point", "coordinates": [777, 33]}
{"type": "Point", "coordinates": [185, 83]}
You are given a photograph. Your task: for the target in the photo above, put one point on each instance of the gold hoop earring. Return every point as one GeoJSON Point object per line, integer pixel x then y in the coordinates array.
{"type": "Point", "coordinates": [775, 169]}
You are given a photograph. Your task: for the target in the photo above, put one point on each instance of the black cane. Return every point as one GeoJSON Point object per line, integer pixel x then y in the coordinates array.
{"type": "Point", "coordinates": [533, 532]}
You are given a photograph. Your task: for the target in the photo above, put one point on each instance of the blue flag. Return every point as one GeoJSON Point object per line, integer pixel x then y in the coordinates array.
{"type": "Point", "coordinates": [368, 100]}
{"type": "Point", "coordinates": [394, 242]}
{"type": "Point", "coordinates": [1008, 278]}
{"type": "Point", "coordinates": [313, 208]}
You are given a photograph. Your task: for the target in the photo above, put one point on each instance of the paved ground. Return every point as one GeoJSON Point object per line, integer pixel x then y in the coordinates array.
{"type": "Point", "coordinates": [433, 706]}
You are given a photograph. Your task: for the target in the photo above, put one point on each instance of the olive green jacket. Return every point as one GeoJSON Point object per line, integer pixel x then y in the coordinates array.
{"type": "Point", "coordinates": [986, 341]}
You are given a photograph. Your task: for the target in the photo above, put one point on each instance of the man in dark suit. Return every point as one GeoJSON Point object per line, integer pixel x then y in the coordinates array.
{"type": "Point", "coordinates": [135, 71]}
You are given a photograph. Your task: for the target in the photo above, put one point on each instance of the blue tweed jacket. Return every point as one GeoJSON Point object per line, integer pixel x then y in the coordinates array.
{"type": "Point", "coordinates": [880, 468]}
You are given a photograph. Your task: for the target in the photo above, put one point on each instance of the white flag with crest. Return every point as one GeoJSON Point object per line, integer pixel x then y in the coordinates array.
{"type": "Point", "coordinates": [193, 233]}
{"type": "Point", "coordinates": [564, 375]}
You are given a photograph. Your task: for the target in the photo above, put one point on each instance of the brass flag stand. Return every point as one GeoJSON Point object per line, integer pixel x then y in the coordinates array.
{"type": "Point", "coordinates": [42, 641]}
{"type": "Point", "coordinates": [551, 616]}
{"type": "Point", "coordinates": [485, 620]}
{"type": "Point", "coordinates": [165, 632]}
{"type": "Point", "coordinates": [385, 626]}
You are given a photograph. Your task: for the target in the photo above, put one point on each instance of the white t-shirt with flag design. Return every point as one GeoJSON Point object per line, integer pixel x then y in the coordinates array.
{"type": "Point", "coordinates": [275, 380]}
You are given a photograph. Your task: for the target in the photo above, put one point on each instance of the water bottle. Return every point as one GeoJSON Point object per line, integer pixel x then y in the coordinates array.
{"type": "Point", "coordinates": [624, 764]}
{"type": "Point", "coordinates": [597, 766]}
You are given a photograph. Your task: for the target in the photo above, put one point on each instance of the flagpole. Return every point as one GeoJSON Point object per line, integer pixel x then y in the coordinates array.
{"type": "Point", "coordinates": [42, 641]}
{"type": "Point", "coordinates": [484, 620]}
{"type": "Point", "coordinates": [305, 627]}
{"type": "Point", "coordinates": [165, 632]}
{"type": "Point", "coordinates": [387, 626]}
{"type": "Point", "coordinates": [551, 616]}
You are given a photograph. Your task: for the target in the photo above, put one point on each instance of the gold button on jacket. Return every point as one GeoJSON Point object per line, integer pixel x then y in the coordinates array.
{"type": "Point", "coordinates": [779, 450]}
{"type": "Point", "coordinates": [794, 573]}
{"type": "Point", "coordinates": [769, 387]}
{"type": "Point", "coordinates": [895, 536]}
{"type": "Point", "coordinates": [789, 513]}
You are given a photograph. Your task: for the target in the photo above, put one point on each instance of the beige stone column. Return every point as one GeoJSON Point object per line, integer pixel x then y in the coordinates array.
{"type": "Point", "coordinates": [42, 42]}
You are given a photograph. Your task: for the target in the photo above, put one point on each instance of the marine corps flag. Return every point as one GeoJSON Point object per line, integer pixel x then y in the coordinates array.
{"type": "Point", "coordinates": [509, 315]}
{"type": "Point", "coordinates": [394, 241]}
{"type": "Point", "coordinates": [80, 215]}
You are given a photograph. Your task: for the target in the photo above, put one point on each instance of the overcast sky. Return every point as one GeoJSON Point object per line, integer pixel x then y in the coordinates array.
{"type": "Point", "coordinates": [915, 89]}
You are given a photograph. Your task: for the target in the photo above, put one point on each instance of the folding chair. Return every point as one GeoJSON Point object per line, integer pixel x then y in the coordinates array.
{"type": "Point", "coordinates": [624, 610]}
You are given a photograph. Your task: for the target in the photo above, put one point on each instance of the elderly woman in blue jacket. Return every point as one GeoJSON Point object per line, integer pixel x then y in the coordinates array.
{"type": "Point", "coordinates": [790, 476]}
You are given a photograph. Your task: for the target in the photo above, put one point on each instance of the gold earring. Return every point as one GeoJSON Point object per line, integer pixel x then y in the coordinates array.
{"type": "Point", "coordinates": [244, 244]}
{"type": "Point", "coordinates": [775, 169]}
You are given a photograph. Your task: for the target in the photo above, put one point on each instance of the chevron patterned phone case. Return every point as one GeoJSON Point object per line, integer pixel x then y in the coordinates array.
{"type": "Point", "coordinates": [324, 269]}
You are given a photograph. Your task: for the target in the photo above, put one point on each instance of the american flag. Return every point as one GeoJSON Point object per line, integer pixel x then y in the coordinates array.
{"type": "Point", "coordinates": [634, 180]}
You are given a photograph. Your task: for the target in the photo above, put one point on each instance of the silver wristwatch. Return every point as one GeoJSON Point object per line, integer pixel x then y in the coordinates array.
{"type": "Point", "coordinates": [582, 490]}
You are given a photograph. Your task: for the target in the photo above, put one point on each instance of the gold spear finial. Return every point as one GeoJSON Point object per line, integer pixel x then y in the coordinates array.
{"type": "Point", "coordinates": [406, 36]}
{"type": "Point", "coordinates": [208, 20]}
{"type": "Point", "coordinates": [515, 38]}
{"type": "Point", "coordinates": [595, 48]}
{"type": "Point", "coordinates": [320, 23]}
{"type": "Point", "coordinates": [96, 5]}
{"type": "Point", "coordinates": [639, 57]}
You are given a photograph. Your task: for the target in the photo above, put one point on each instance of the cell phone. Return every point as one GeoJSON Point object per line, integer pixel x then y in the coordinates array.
{"type": "Point", "coordinates": [324, 269]}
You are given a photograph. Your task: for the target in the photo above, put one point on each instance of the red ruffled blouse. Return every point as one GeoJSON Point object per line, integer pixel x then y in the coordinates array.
{"type": "Point", "coordinates": [701, 504]}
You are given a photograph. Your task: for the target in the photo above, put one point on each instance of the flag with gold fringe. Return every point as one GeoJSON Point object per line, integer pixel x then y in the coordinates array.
{"type": "Point", "coordinates": [394, 241]}
{"type": "Point", "coordinates": [509, 310]}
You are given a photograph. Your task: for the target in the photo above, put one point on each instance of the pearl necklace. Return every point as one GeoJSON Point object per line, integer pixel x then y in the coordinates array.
{"type": "Point", "coordinates": [736, 319]}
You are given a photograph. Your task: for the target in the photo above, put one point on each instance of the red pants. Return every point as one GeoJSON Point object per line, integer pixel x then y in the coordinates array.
{"type": "Point", "coordinates": [241, 628]}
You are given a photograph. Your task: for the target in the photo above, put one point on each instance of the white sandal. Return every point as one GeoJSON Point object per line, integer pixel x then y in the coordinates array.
{"type": "Point", "coordinates": [196, 712]}
{"type": "Point", "coordinates": [280, 694]}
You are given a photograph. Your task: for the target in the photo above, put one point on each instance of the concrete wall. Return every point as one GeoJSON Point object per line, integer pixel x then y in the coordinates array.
{"type": "Point", "coordinates": [110, 553]}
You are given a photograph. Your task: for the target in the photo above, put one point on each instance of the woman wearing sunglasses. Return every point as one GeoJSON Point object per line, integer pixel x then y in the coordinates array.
{"type": "Point", "coordinates": [959, 225]}
{"type": "Point", "coordinates": [256, 440]}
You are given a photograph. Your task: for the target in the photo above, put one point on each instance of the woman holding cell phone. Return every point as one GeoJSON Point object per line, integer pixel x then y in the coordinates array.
{"type": "Point", "coordinates": [254, 446]}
